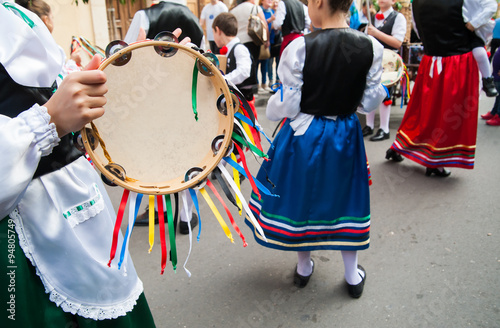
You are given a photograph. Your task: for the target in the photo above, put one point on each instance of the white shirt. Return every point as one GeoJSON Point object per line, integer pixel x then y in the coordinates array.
{"type": "Point", "coordinates": [243, 62]}
{"type": "Point", "coordinates": [242, 13]}
{"type": "Point", "coordinates": [290, 72]}
{"type": "Point", "coordinates": [478, 12]}
{"type": "Point", "coordinates": [141, 20]}
{"type": "Point", "coordinates": [399, 28]}
{"type": "Point", "coordinates": [70, 253]}
{"type": "Point", "coordinates": [280, 17]}
{"type": "Point", "coordinates": [208, 13]}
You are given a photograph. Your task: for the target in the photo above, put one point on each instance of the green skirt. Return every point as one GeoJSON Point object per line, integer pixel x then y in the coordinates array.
{"type": "Point", "coordinates": [29, 306]}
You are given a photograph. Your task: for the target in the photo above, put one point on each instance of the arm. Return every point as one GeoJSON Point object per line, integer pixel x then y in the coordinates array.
{"type": "Point", "coordinates": [394, 40]}
{"type": "Point", "coordinates": [36, 131]}
{"type": "Point", "coordinates": [290, 73]}
{"type": "Point", "coordinates": [140, 20]}
{"type": "Point", "coordinates": [479, 12]}
{"type": "Point", "coordinates": [243, 65]}
{"type": "Point", "coordinates": [280, 16]}
{"type": "Point", "coordinates": [374, 91]}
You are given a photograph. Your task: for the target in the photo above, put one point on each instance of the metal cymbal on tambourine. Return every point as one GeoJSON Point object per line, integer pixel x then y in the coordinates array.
{"type": "Point", "coordinates": [160, 120]}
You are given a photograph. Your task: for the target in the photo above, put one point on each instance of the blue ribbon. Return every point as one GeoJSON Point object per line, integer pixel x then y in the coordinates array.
{"type": "Point", "coordinates": [130, 227]}
{"type": "Point", "coordinates": [278, 87]}
{"type": "Point", "coordinates": [195, 202]}
{"type": "Point", "coordinates": [259, 185]}
{"type": "Point", "coordinates": [248, 121]}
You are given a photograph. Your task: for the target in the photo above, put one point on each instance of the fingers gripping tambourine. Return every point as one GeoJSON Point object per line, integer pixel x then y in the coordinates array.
{"type": "Point", "coordinates": [166, 127]}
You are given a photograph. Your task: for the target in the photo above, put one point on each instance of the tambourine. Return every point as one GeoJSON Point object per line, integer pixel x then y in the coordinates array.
{"type": "Point", "coordinates": [393, 68]}
{"type": "Point", "coordinates": [168, 118]}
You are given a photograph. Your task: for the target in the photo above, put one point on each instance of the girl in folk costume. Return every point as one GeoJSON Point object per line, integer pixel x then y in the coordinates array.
{"type": "Point", "coordinates": [477, 17]}
{"type": "Point", "coordinates": [318, 161]}
{"type": "Point", "coordinates": [54, 209]}
{"type": "Point", "coordinates": [389, 27]}
{"type": "Point", "coordinates": [439, 127]}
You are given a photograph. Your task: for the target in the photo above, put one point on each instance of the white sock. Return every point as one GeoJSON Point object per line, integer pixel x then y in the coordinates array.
{"type": "Point", "coordinates": [352, 273]}
{"type": "Point", "coordinates": [305, 265]}
{"type": "Point", "coordinates": [482, 60]}
{"type": "Point", "coordinates": [370, 119]}
{"type": "Point", "coordinates": [385, 114]}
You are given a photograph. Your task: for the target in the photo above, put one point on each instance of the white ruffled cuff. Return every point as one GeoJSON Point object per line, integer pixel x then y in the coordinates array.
{"type": "Point", "coordinates": [38, 121]}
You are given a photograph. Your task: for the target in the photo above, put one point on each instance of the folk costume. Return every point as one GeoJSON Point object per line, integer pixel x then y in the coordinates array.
{"type": "Point", "coordinates": [293, 19]}
{"type": "Point", "coordinates": [53, 206]}
{"type": "Point", "coordinates": [318, 164]}
{"type": "Point", "coordinates": [440, 124]}
{"type": "Point", "coordinates": [391, 23]}
{"type": "Point", "coordinates": [167, 15]}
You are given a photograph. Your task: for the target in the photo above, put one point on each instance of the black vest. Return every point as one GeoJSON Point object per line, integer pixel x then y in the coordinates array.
{"type": "Point", "coordinates": [387, 27]}
{"type": "Point", "coordinates": [335, 70]}
{"type": "Point", "coordinates": [14, 99]}
{"type": "Point", "coordinates": [249, 86]}
{"type": "Point", "coordinates": [295, 20]}
{"type": "Point", "coordinates": [441, 27]}
{"type": "Point", "coordinates": [167, 16]}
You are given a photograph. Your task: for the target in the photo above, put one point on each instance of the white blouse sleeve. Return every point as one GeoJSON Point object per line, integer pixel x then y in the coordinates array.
{"type": "Point", "coordinates": [140, 20]}
{"type": "Point", "coordinates": [24, 140]}
{"type": "Point", "coordinates": [479, 12]}
{"type": "Point", "coordinates": [286, 101]}
{"type": "Point", "coordinates": [374, 92]}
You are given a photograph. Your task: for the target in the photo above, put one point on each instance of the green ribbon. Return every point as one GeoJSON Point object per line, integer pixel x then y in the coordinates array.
{"type": "Point", "coordinates": [171, 232]}
{"type": "Point", "coordinates": [254, 149]}
{"type": "Point", "coordinates": [194, 88]}
{"type": "Point", "coordinates": [21, 13]}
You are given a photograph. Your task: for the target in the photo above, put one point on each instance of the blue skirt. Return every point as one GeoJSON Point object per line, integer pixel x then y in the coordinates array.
{"type": "Point", "coordinates": [321, 178]}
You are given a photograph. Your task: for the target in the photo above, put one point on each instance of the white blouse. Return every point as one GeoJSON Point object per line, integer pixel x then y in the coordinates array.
{"type": "Point", "coordinates": [64, 220]}
{"type": "Point", "coordinates": [290, 73]}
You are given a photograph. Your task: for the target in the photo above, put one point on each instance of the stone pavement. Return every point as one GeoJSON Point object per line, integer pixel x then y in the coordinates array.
{"type": "Point", "coordinates": [433, 261]}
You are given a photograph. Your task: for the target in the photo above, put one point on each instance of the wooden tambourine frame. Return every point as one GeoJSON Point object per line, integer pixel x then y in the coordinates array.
{"type": "Point", "coordinates": [150, 106]}
{"type": "Point", "coordinates": [393, 68]}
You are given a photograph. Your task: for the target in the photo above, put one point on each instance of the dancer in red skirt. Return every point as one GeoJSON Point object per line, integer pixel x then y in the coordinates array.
{"type": "Point", "coordinates": [440, 124]}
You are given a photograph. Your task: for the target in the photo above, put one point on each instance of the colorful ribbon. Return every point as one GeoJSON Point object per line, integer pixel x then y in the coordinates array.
{"type": "Point", "coordinates": [13, 8]}
{"type": "Point", "coordinates": [236, 176]}
{"type": "Point", "coordinates": [245, 119]}
{"type": "Point", "coordinates": [249, 176]}
{"type": "Point", "coordinates": [194, 89]}
{"type": "Point", "coordinates": [118, 223]}
{"type": "Point", "coordinates": [197, 206]}
{"type": "Point", "coordinates": [259, 184]}
{"type": "Point", "coordinates": [186, 210]}
{"type": "Point", "coordinates": [171, 232]}
{"type": "Point", "coordinates": [159, 203]}
{"type": "Point", "coordinates": [214, 209]}
{"type": "Point", "coordinates": [133, 209]}
{"type": "Point", "coordinates": [151, 222]}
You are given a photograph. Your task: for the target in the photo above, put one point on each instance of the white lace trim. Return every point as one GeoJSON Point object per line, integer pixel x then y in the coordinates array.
{"type": "Point", "coordinates": [67, 305]}
{"type": "Point", "coordinates": [86, 210]}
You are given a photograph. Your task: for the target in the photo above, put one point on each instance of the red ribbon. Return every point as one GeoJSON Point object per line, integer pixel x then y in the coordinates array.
{"type": "Point", "coordinates": [161, 218]}
{"type": "Point", "coordinates": [250, 177]}
{"type": "Point", "coordinates": [380, 16]}
{"type": "Point", "coordinates": [118, 223]}
{"type": "Point", "coordinates": [223, 50]}
{"type": "Point", "coordinates": [235, 226]}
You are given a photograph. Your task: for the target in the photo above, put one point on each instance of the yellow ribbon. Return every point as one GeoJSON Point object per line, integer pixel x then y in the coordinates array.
{"type": "Point", "coordinates": [217, 214]}
{"type": "Point", "coordinates": [236, 176]}
{"type": "Point", "coordinates": [151, 222]}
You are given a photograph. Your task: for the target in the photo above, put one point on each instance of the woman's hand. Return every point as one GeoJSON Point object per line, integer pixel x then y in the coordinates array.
{"type": "Point", "coordinates": [79, 99]}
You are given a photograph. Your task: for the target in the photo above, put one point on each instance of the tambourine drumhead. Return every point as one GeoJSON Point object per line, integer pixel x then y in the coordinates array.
{"type": "Point", "coordinates": [393, 68]}
{"type": "Point", "coordinates": [149, 127]}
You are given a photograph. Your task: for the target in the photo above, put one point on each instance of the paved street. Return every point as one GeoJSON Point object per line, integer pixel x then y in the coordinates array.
{"type": "Point", "coordinates": [433, 261]}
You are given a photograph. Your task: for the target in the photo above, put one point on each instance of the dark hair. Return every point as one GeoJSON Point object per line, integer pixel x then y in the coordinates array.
{"type": "Point", "coordinates": [39, 7]}
{"type": "Point", "coordinates": [342, 5]}
{"type": "Point", "coordinates": [227, 23]}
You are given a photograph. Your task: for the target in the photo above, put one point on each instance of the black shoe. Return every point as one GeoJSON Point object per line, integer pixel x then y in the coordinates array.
{"type": "Point", "coordinates": [489, 86]}
{"type": "Point", "coordinates": [183, 226]}
{"type": "Point", "coordinates": [367, 131]}
{"type": "Point", "coordinates": [394, 155]}
{"type": "Point", "coordinates": [356, 290]}
{"type": "Point", "coordinates": [437, 172]}
{"type": "Point", "coordinates": [143, 219]}
{"type": "Point", "coordinates": [301, 281]}
{"type": "Point", "coordinates": [381, 135]}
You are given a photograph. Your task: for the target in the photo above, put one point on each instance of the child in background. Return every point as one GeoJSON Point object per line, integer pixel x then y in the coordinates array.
{"type": "Point", "coordinates": [477, 17]}
{"type": "Point", "coordinates": [389, 27]}
{"type": "Point", "coordinates": [318, 165]}
{"type": "Point", "coordinates": [493, 116]}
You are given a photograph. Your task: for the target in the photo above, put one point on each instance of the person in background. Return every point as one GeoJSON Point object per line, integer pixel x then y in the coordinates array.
{"type": "Point", "coordinates": [493, 116]}
{"type": "Point", "coordinates": [293, 19]}
{"type": "Point", "coordinates": [265, 5]}
{"type": "Point", "coordinates": [495, 41]}
{"type": "Point", "coordinates": [208, 14]}
{"type": "Point", "coordinates": [318, 164]}
{"type": "Point", "coordinates": [275, 49]}
{"type": "Point", "coordinates": [389, 27]}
